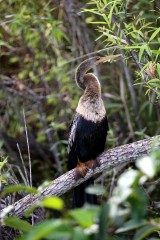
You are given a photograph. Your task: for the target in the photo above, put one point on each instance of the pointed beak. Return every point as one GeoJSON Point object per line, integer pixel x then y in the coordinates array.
{"type": "Point", "coordinates": [109, 58]}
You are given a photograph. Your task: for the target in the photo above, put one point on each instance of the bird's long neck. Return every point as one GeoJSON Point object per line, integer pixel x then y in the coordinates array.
{"type": "Point", "coordinates": [93, 87]}
{"type": "Point", "coordinates": [87, 81]}
{"type": "Point", "coordinates": [81, 75]}
{"type": "Point", "coordinates": [90, 105]}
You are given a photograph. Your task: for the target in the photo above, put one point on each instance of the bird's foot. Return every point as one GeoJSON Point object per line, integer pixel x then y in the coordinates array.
{"type": "Point", "coordinates": [92, 164]}
{"type": "Point", "coordinates": [81, 170]}
{"type": "Point", "coordinates": [96, 163]}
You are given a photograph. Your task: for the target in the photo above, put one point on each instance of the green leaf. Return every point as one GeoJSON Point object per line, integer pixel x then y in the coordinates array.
{"type": "Point", "coordinates": [43, 229]}
{"type": "Point", "coordinates": [3, 163]}
{"type": "Point", "coordinates": [78, 234]}
{"type": "Point", "coordinates": [5, 211]}
{"type": "Point", "coordinates": [17, 188]}
{"type": "Point", "coordinates": [154, 34]}
{"type": "Point", "coordinates": [30, 210]}
{"type": "Point", "coordinates": [19, 224]}
{"type": "Point", "coordinates": [106, 19]}
{"type": "Point", "coordinates": [147, 165]}
{"type": "Point", "coordinates": [128, 178]}
{"type": "Point", "coordinates": [96, 22]}
{"type": "Point", "coordinates": [148, 91]}
{"type": "Point", "coordinates": [103, 222]}
{"type": "Point", "coordinates": [148, 50]}
{"type": "Point", "coordinates": [141, 52]}
{"type": "Point", "coordinates": [63, 231]}
{"type": "Point", "coordinates": [158, 69]}
{"type": "Point", "coordinates": [48, 202]}
{"type": "Point", "coordinates": [155, 85]}
{"type": "Point", "coordinates": [132, 47]}
{"type": "Point", "coordinates": [105, 2]}
{"type": "Point", "coordinates": [145, 231]}
{"type": "Point", "coordinates": [111, 13]}
{"type": "Point", "coordinates": [130, 225]}
{"type": "Point", "coordinates": [95, 189]}
{"type": "Point", "coordinates": [5, 44]}
{"type": "Point", "coordinates": [114, 105]}
{"type": "Point", "coordinates": [154, 80]}
{"type": "Point", "coordinates": [145, 66]}
{"type": "Point", "coordinates": [53, 203]}
{"type": "Point", "coordinates": [85, 216]}
{"type": "Point", "coordinates": [140, 83]}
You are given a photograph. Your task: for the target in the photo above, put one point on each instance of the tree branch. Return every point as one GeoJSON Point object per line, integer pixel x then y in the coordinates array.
{"type": "Point", "coordinates": [123, 154]}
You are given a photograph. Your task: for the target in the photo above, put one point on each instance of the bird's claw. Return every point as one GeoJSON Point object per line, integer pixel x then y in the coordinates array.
{"type": "Point", "coordinates": [81, 171]}
{"type": "Point", "coordinates": [92, 164]}
{"type": "Point", "coordinates": [83, 168]}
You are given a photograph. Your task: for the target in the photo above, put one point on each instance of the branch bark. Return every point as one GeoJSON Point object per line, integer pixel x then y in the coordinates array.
{"type": "Point", "coordinates": [109, 159]}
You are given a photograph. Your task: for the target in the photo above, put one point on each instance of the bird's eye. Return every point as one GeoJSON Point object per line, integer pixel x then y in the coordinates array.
{"type": "Point", "coordinates": [98, 58]}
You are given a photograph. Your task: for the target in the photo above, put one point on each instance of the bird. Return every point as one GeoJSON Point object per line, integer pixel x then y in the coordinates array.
{"type": "Point", "coordinates": [88, 130]}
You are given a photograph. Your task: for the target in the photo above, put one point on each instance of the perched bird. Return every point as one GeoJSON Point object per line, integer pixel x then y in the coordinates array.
{"type": "Point", "coordinates": [88, 130]}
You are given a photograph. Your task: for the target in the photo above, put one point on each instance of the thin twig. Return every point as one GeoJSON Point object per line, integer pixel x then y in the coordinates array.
{"type": "Point", "coordinates": [29, 156]}
{"type": "Point", "coordinates": [29, 159]}
{"type": "Point", "coordinates": [20, 154]}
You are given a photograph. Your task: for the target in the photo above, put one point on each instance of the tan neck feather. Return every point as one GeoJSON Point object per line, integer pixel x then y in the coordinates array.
{"type": "Point", "coordinates": [93, 87]}
{"type": "Point", "coordinates": [90, 105]}
{"type": "Point", "coordinates": [94, 111]}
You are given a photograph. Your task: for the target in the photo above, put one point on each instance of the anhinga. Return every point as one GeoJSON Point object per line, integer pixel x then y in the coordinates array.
{"type": "Point", "coordinates": [89, 128]}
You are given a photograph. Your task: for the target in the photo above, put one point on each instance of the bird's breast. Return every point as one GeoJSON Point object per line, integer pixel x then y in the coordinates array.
{"type": "Point", "coordinates": [91, 110]}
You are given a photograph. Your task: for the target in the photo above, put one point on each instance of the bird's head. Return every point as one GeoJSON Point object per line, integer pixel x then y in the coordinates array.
{"type": "Point", "coordinates": [107, 58]}
{"type": "Point", "coordinates": [86, 65]}
{"type": "Point", "coordinates": [91, 62]}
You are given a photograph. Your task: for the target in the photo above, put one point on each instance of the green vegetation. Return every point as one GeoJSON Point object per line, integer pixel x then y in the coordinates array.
{"type": "Point", "coordinates": [41, 43]}
{"type": "Point", "coordinates": [126, 214]}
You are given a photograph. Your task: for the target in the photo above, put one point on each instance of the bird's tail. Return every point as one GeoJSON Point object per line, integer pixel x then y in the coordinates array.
{"type": "Point", "coordinates": [80, 196]}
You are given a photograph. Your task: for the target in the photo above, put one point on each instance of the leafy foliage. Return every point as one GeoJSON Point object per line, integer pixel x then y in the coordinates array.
{"type": "Point", "coordinates": [125, 211]}
{"type": "Point", "coordinates": [135, 35]}
{"type": "Point", "coordinates": [41, 44]}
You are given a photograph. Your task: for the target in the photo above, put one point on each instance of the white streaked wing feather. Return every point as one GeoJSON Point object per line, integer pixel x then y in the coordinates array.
{"type": "Point", "coordinates": [72, 133]}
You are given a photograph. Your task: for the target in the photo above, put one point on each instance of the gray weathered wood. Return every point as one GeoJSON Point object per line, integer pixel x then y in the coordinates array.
{"type": "Point", "coordinates": [123, 154]}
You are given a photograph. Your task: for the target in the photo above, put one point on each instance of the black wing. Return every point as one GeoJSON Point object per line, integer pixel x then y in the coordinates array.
{"type": "Point", "coordinates": [91, 138]}
{"type": "Point", "coordinates": [86, 140]}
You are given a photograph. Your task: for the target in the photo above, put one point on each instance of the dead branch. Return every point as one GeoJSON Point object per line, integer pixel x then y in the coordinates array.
{"type": "Point", "coordinates": [109, 159]}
